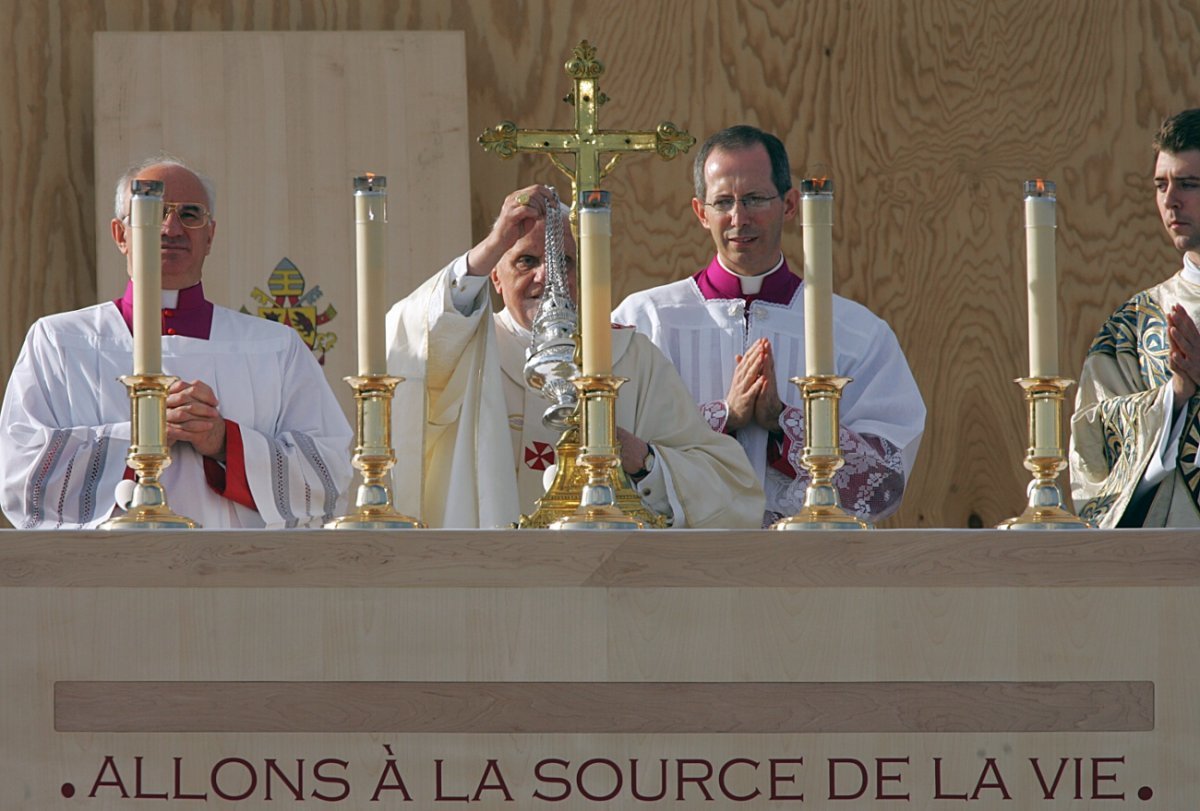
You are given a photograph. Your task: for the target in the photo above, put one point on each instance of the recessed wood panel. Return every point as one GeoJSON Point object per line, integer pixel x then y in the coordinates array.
{"type": "Point", "coordinates": [591, 707]}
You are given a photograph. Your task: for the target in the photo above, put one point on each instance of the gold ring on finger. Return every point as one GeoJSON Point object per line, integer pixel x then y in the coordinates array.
{"type": "Point", "coordinates": [522, 199]}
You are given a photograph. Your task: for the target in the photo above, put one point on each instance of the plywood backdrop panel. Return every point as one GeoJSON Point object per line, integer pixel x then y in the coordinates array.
{"type": "Point", "coordinates": [286, 121]}
{"type": "Point", "coordinates": [929, 114]}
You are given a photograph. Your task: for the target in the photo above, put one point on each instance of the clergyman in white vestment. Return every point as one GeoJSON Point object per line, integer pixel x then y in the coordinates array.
{"type": "Point", "coordinates": [257, 438]}
{"type": "Point", "coordinates": [735, 332]}
{"type": "Point", "coordinates": [1136, 427]}
{"type": "Point", "coordinates": [479, 456]}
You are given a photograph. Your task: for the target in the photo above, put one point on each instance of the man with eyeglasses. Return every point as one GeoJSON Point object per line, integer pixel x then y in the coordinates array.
{"type": "Point", "coordinates": [257, 438]}
{"type": "Point", "coordinates": [479, 456]}
{"type": "Point", "coordinates": [735, 332]}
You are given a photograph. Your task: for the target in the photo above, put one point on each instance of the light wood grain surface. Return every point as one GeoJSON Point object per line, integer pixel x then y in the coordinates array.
{"type": "Point", "coordinates": [898, 559]}
{"type": "Point", "coordinates": [928, 114]}
{"type": "Point", "coordinates": [286, 122]}
{"type": "Point", "coordinates": [216, 658]}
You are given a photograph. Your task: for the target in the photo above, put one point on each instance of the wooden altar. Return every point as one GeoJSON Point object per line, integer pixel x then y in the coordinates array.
{"type": "Point", "coordinates": [430, 669]}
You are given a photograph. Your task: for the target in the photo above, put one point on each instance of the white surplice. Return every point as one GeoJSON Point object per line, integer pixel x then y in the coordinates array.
{"type": "Point", "coordinates": [64, 427]}
{"type": "Point", "coordinates": [703, 337]}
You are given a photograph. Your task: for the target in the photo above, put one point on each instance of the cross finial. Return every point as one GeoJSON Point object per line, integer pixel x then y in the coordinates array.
{"type": "Point", "coordinates": [587, 142]}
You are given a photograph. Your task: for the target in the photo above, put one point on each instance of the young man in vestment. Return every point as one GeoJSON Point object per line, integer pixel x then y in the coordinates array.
{"type": "Point", "coordinates": [471, 427]}
{"type": "Point", "coordinates": [1134, 433]}
{"type": "Point", "coordinates": [735, 331]}
{"type": "Point", "coordinates": [257, 438]}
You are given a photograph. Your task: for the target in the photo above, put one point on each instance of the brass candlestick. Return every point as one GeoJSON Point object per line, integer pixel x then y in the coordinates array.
{"type": "Point", "coordinates": [565, 493]}
{"type": "Point", "coordinates": [148, 456]}
{"type": "Point", "coordinates": [822, 456]}
{"type": "Point", "coordinates": [374, 457]}
{"type": "Point", "coordinates": [1045, 458]}
{"type": "Point", "coordinates": [599, 458]}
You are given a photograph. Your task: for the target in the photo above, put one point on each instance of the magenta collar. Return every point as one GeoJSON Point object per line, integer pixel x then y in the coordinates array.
{"type": "Point", "coordinates": [191, 317]}
{"type": "Point", "coordinates": [715, 282]}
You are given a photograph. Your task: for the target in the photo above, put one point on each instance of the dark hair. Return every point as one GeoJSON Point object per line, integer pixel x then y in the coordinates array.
{"type": "Point", "coordinates": [1179, 133]}
{"type": "Point", "coordinates": [744, 136]}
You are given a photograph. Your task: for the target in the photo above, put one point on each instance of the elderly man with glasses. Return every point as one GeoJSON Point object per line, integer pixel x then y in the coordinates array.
{"type": "Point", "coordinates": [257, 438]}
{"type": "Point", "coordinates": [735, 332]}
{"type": "Point", "coordinates": [479, 456]}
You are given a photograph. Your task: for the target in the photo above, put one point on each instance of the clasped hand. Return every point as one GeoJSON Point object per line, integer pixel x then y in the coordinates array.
{"type": "Point", "coordinates": [192, 416]}
{"type": "Point", "coordinates": [753, 396]}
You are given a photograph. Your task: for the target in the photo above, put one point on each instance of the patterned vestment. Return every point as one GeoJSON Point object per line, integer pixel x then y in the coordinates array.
{"type": "Point", "coordinates": [1121, 415]}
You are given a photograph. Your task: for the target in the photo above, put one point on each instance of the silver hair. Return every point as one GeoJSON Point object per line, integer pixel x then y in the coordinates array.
{"type": "Point", "coordinates": [121, 196]}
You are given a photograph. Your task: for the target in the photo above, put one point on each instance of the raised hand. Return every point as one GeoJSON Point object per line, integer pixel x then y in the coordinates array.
{"type": "Point", "coordinates": [518, 213]}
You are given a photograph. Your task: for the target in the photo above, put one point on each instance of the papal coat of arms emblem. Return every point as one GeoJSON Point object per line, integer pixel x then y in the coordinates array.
{"type": "Point", "coordinates": [288, 303]}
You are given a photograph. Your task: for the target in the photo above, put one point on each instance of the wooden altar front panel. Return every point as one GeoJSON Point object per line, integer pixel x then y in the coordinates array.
{"type": "Point", "coordinates": [891, 669]}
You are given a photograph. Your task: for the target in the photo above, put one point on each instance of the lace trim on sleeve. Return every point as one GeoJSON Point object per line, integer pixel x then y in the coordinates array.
{"type": "Point", "coordinates": [871, 481]}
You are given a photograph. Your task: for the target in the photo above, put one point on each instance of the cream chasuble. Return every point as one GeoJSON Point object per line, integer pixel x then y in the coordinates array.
{"type": "Point", "coordinates": [480, 460]}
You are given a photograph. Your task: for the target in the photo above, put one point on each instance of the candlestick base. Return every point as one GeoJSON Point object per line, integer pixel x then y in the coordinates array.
{"type": "Point", "coordinates": [822, 456]}
{"type": "Point", "coordinates": [605, 500]}
{"type": "Point", "coordinates": [149, 509]}
{"type": "Point", "coordinates": [1045, 458]}
{"type": "Point", "coordinates": [148, 456]}
{"type": "Point", "coordinates": [602, 513]}
{"type": "Point", "coordinates": [1046, 510]}
{"type": "Point", "coordinates": [374, 457]}
{"type": "Point", "coordinates": [822, 509]}
{"type": "Point", "coordinates": [565, 493]}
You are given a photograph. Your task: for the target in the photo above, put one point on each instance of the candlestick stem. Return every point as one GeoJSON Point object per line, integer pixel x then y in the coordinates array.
{"type": "Point", "coordinates": [148, 456]}
{"type": "Point", "coordinates": [822, 457]}
{"type": "Point", "coordinates": [599, 458]}
{"type": "Point", "coordinates": [374, 457]}
{"type": "Point", "coordinates": [1045, 458]}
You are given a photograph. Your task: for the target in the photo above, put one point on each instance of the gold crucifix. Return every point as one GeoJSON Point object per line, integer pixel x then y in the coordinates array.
{"type": "Point", "coordinates": [589, 464]}
{"type": "Point", "coordinates": [587, 142]}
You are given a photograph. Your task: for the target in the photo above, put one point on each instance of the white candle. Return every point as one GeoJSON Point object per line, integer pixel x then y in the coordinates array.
{"type": "Point", "coordinates": [816, 207]}
{"type": "Point", "coordinates": [145, 247]}
{"type": "Point", "coordinates": [1041, 278]}
{"type": "Point", "coordinates": [370, 215]}
{"type": "Point", "coordinates": [595, 286]}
